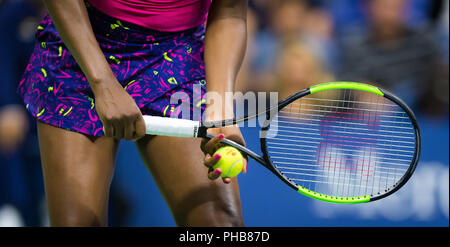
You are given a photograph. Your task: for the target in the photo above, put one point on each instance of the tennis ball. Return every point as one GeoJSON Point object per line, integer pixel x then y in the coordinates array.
{"type": "Point", "coordinates": [231, 161]}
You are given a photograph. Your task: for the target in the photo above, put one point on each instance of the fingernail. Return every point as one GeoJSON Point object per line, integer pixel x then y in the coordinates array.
{"type": "Point", "coordinates": [217, 157]}
{"type": "Point", "coordinates": [227, 181]}
{"type": "Point", "coordinates": [245, 170]}
{"type": "Point", "coordinates": [218, 171]}
{"type": "Point", "coordinates": [221, 136]}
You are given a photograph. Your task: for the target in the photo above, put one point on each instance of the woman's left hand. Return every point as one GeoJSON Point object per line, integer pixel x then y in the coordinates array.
{"type": "Point", "coordinates": [209, 147]}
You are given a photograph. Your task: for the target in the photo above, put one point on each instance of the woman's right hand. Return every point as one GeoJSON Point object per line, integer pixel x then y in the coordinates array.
{"type": "Point", "coordinates": [118, 111]}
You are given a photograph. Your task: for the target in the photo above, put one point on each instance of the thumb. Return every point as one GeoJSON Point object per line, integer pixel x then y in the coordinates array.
{"type": "Point", "coordinates": [244, 168]}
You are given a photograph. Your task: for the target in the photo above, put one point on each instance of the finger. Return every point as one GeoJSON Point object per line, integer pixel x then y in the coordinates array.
{"type": "Point", "coordinates": [118, 130]}
{"type": "Point", "coordinates": [226, 180]}
{"type": "Point", "coordinates": [211, 161]}
{"type": "Point", "coordinates": [212, 145]}
{"type": "Point", "coordinates": [140, 128]}
{"type": "Point", "coordinates": [214, 174]}
{"type": "Point", "coordinates": [129, 131]}
{"type": "Point", "coordinates": [244, 168]}
{"type": "Point", "coordinates": [108, 130]}
{"type": "Point", "coordinates": [203, 144]}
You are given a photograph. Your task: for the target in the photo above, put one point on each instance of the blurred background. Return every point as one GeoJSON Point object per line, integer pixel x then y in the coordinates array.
{"type": "Point", "coordinates": [400, 45]}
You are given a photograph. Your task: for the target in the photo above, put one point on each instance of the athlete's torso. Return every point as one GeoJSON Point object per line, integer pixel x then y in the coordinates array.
{"type": "Point", "coordinates": [161, 15]}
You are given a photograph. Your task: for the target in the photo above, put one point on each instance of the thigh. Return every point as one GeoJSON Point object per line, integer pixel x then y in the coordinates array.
{"type": "Point", "coordinates": [176, 164]}
{"type": "Point", "coordinates": [77, 170]}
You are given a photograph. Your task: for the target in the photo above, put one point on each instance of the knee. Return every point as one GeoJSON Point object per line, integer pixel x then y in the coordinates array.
{"type": "Point", "coordinates": [229, 217]}
{"type": "Point", "coordinates": [75, 219]}
{"type": "Point", "coordinates": [211, 215]}
{"type": "Point", "coordinates": [76, 223]}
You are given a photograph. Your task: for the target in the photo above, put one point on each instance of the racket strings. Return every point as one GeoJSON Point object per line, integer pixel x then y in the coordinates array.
{"type": "Point", "coordinates": [343, 143]}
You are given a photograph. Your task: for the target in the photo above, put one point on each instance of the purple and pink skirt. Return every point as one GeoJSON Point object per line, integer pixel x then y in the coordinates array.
{"type": "Point", "coordinates": [150, 65]}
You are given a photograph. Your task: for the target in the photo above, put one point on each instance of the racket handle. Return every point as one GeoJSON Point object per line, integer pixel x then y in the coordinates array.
{"type": "Point", "coordinates": [164, 126]}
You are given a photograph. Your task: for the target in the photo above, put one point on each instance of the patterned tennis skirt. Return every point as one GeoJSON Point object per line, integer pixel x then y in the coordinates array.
{"type": "Point", "coordinates": [152, 67]}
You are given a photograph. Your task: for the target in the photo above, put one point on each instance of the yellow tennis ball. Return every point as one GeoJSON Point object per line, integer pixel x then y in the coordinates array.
{"type": "Point", "coordinates": [231, 161]}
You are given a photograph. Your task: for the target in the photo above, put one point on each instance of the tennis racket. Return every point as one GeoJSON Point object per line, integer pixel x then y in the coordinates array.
{"type": "Point", "coordinates": [339, 142]}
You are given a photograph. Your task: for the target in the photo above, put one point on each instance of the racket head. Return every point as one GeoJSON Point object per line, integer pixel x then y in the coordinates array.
{"type": "Point", "coordinates": [342, 142]}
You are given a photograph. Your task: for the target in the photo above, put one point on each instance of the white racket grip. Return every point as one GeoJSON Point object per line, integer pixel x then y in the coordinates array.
{"type": "Point", "coordinates": [164, 126]}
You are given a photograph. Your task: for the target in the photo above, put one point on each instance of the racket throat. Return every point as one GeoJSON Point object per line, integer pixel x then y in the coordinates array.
{"type": "Point", "coordinates": [201, 132]}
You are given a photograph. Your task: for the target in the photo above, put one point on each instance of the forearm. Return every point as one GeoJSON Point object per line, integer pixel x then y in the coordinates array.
{"type": "Point", "coordinates": [225, 45]}
{"type": "Point", "coordinates": [72, 22]}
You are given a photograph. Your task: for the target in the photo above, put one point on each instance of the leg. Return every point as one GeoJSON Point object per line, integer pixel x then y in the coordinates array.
{"type": "Point", "coordinates": [77, 170]}
{"type": "Point", "coordinates": [177, 166]}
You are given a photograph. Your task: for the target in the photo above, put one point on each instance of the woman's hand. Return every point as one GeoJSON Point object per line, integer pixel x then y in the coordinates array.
{"type": "Point", "coordinates": [225, 46]}
{"type": "Point", "coordinates": [209, 147]}
{"type": "Point", "coordinates": [118, 112]}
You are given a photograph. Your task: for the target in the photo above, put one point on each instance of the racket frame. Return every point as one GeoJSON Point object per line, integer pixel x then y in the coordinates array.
{"type": "Point", "coordinates": [267, 163]}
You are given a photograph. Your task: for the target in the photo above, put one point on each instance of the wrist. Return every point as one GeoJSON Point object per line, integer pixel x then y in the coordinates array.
{"type": "Point", "coordinates": [100, 83]}
{"type": "Point", "coordinates": [219, 106]}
